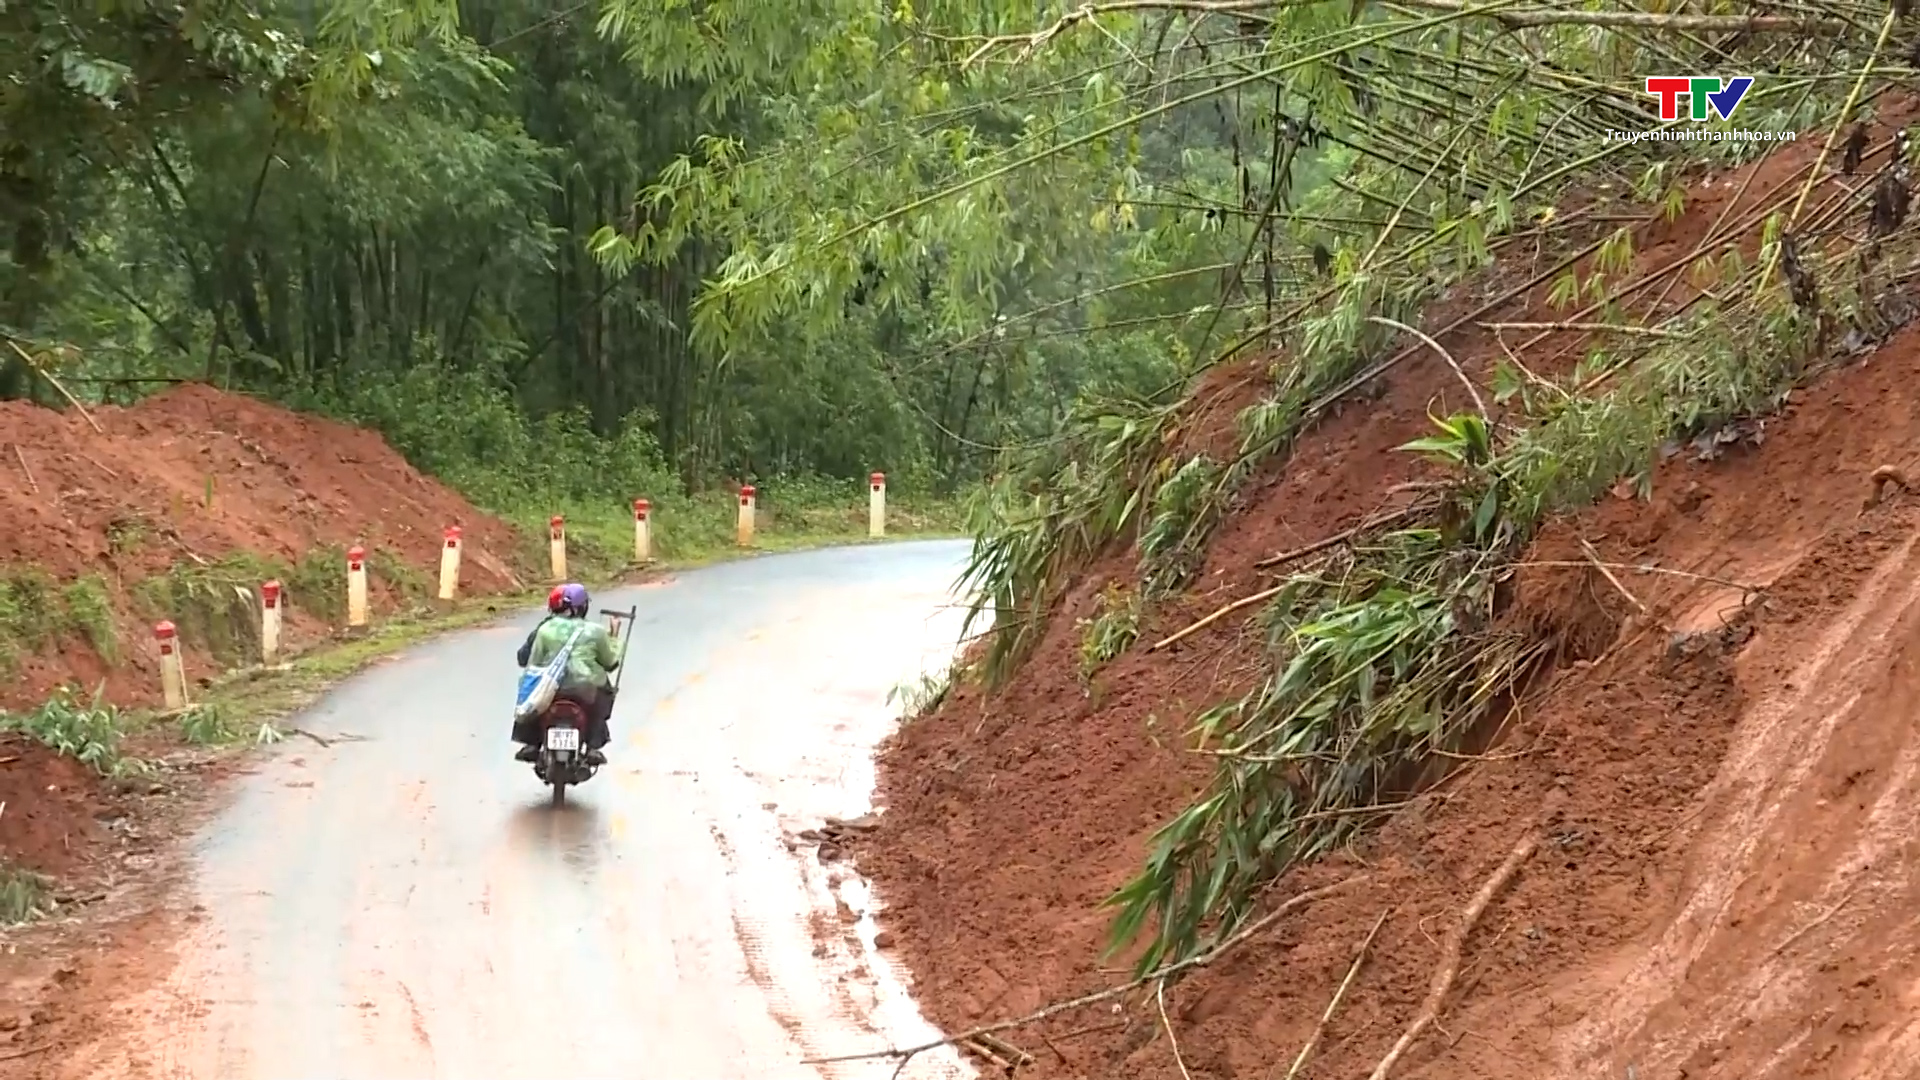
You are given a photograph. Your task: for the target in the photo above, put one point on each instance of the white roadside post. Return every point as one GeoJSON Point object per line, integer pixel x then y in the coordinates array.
{"type": "Point", "coordinates": [356, 586]}
{"type": "Point", "coordinates": [450, 563]}
{"type": "Point", "coordinates": [173, 673]}
{"type": "Point", "coordinates": [877, 505]}
{"type": "Point", "coordinates": [269, 621]}
{"type": "Point", "coordinates": [642, 532]}
{"type": "Point", "coordinates": [745, 533]}
{"type": "Point", "coordinates": [557, 544]}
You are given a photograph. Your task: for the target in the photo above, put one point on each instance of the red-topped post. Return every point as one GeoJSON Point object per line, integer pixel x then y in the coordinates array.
{"type": "Point", "coordinates": [173, 671]}
{"type": "Point", "coordinates": [877, 505]}
{"type": "Point", "coordinates": [450, 563]}
{"type": "Point", "coordinates": [745, 532]}
{"type": "Point", "coordinates": [642, 532]}
{"type": "Point", "coordinates": [356, 586]}
{"type": "Point", "coordinates": [269, 621]}
{"type": "Point", "coordinates": [557, 545]}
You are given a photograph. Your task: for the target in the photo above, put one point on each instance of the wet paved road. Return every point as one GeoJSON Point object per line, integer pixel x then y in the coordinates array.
{"type": "Point", "coordinates": [406, 904]}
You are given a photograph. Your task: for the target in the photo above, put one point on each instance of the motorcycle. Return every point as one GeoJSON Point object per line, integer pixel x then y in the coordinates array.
{"type": "Point", "coordinates": [562, 758]}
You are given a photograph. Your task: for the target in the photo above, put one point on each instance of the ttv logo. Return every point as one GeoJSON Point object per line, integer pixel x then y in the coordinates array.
{"type": "Point", "coordinates": [1701, 90]}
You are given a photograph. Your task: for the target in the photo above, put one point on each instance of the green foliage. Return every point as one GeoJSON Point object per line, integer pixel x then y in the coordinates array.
{"type": "Point", "coordinates": [466, 428]}
{"type": "Point", "coordinates": [89, 732]}
{"type": "Point", "coordinates": [1184, 507]}
{"type": "Point", "coordinates": [35, 614]}
{"type": "Point", "coordinates": [1391, 652]}
{"type": "Point", "coordinates": [89, 606]}
{"type": "Point", "coordinates": [1373, 670]}
{"type": "Point", "coordinates": [29, 618]}
{"type": "Point", "coordinates": [1111, 631]}
{"type": "Point", "coordinates": [1047, 514]}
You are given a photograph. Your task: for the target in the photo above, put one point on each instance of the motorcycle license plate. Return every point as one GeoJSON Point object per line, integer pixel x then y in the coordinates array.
{"type": "Point", "coordinates": [563, 738]}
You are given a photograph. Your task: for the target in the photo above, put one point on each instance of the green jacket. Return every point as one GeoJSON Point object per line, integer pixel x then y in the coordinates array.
{"type": "Point", "coordinates": [593, 655]}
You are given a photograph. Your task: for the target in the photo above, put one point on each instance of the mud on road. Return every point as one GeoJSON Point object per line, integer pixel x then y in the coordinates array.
{"type": "Point", "coordinates": [404, 902]}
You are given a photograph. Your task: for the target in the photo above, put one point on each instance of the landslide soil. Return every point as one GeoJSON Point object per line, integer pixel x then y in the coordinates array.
{"type": "Point", "coordinates": [188, 477]}
{"type": "Point", "coordinates": [1720, 770]}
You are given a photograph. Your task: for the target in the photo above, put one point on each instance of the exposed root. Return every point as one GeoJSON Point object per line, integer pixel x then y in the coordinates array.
{"type": "Point", "coordinates": [1878, 482]}
{"type": "Point", "coordinates": [1455, 945]}
{"type": "Point", "coordinates": [1160, 999]}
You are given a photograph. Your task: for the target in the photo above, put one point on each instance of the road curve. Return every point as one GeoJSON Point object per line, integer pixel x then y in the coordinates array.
{"type": "Point", "coordinates": [404, 903]}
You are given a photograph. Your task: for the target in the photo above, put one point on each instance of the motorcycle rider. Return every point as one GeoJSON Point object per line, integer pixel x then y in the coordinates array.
{"type": "Point", "coordinates": [553, 609]}
{"type": "Point", "coordinates": [586, 682]}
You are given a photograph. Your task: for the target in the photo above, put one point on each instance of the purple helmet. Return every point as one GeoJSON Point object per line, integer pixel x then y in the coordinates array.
{"type": "Point", "coordinates": [575, 596]}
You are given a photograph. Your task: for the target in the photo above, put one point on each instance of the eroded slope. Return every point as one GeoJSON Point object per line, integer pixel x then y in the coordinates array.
{"type": "Point", "coordinates": [1674, 767]}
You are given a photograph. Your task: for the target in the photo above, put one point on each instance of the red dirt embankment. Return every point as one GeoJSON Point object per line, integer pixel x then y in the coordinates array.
{"type": "Point", "coordinates": [131, 502]}
{"type": "Point", "coordinates": [193, 475]}
{"type": "Point", "coordinates": [1724, 780]}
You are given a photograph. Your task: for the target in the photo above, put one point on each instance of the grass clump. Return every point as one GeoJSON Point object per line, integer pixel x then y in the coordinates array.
{"type": "Point", "coordinates": [35, 614]}
{"type": "Point", "coordinates": [89, 608]}
{"type": "Point", "coordinates": [126, 535]}
{"type": "Point", "coordinates": [29, 619]}
{"type": "Point", "coordinates": [89, 731]}
{"type": "Point", "coordinates": [317, 583]}
{"type": "Point", "coordinates": [923, 694]}
{"type": "Point", "coordinates": [210, 724]}
{"type": "Point", "coordinates": [214, 606]}
{"type": "Point", "coordinates": [24, 895]}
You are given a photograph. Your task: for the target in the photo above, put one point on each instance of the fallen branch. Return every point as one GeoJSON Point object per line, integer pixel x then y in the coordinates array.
{"type": "Point", "coordinates": [1592, 327]}
{"type": "Point", "coordinates": [1327, 400]}
{"type": "Point", "coordinates": [1092, 1029]}
{"type": "Point", "coordinates": [1320, 1029]}
{"type": "Point", "coordinates": [1479, 406]}
{"type": "Point", "coordinates": [1241, 936]}
{"type": "Point", "coordinates": [1317, 546]}
{"type": "Point", "coordinates": [96, 464]}
{"type": "Point", "coordinates": [1243, 602]}
{"type": "Point", "coordinates": [1285, 557]}
{"type": "Point", "coordinates": [56, 384]}
{"type": "Point", "coordinates": [22, 459]}
{"type": "Point", "coordinates": [1594, 558]}
{"type": "Point", "coordinates": [1002, 1046]}
{"type": "Point", "coordinates": [1455, 945]}
{"type": "Point", "coordinates": [1651, 20]}
{"type": "Point", "coordinates": [980, 1048]}
{"type": "Point", "coordinates": [1646, 568]}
